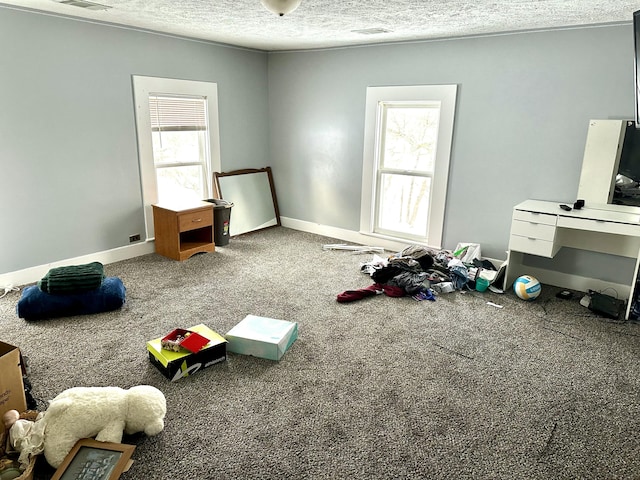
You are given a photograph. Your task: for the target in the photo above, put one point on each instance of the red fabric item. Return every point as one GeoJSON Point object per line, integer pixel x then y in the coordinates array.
{"type": "Point", "coordinates": [371, 290]}
{"type": "Point", "coordinates": [393, 291]}
{"type": "Point", "coordinates": [353, 295]}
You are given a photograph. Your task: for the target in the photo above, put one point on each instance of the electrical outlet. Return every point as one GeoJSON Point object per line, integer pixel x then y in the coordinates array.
{"type": "Point", "coordinates": [134, 238]}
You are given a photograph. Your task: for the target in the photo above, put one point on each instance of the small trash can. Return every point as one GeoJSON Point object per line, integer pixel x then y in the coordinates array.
{"type": "Point", "coordinates": [221, 219]}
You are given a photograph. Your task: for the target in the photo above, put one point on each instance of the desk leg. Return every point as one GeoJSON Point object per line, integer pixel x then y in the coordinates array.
{"type": "Point", "coordinates": [514, 268]}
{"type": "Point", "coordinates": [632, 290]}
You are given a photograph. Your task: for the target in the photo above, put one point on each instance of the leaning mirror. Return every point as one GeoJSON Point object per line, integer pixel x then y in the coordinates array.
{"type": "Point", "coordinates": [253, 196]}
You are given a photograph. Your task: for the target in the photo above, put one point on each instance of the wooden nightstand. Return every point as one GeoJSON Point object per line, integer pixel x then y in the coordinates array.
{"type": "Point", "coordinates": [183, 229]}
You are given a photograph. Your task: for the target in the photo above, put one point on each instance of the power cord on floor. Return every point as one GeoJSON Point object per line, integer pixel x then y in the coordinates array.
{"type": "Point", "coordinates": [9, 288]}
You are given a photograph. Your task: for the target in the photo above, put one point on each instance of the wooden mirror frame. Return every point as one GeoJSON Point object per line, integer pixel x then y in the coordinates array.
{"type": "Point", "coordinates": [217, 191]}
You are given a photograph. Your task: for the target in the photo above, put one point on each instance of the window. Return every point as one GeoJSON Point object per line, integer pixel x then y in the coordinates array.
{"type": "Point", "coordinates": [178, 140]}
{"type": "Point", "coordinates": [180, 146]}
{"type": "Point", "coordinates": [408, 133]}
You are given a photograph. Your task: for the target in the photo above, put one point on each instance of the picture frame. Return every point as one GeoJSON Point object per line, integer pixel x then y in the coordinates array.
{"type": "Point", "coordinates": [90, 459]}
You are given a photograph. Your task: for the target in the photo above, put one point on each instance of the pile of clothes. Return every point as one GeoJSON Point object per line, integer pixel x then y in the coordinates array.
{"type": "Point", "coordinates": [419, 272]}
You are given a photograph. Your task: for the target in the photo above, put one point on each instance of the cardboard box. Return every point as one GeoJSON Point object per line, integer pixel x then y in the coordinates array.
{"type": "Point", "coordinates": [262, 337]}
{"type": "Point", "coordinates": [12, 395]}
{"type": "Point", "coordinates": [177, 365]}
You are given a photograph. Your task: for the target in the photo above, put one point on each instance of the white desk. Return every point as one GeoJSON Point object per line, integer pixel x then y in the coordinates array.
{"type": "Point", "coordinates": [542, 228]}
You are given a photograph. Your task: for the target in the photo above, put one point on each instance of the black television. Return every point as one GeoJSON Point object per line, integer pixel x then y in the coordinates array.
{"type": "Point", "coordinates": [627, 182]}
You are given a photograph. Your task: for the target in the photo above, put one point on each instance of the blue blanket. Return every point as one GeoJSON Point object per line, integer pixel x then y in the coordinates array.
{"type": "Point", "coordinates": [35, 304]}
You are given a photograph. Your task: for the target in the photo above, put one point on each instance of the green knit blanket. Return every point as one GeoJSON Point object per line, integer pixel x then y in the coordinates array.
{"type": "Point", "coordinates": [73, 278]}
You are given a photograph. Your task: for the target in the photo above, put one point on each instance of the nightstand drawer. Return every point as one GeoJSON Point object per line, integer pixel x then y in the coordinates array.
{"type": "Point", "coordinates": [534, 217]}
{"type": "Point", "coordinates": [197, 219]}
{"type": "Point", "coordinates": [533, 230]}
{"type": "Point", "coordinates": [533, 246]}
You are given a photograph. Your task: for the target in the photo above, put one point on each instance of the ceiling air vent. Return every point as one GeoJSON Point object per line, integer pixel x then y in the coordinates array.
{"type": "Point", "coordinates": [371, 31]}
{"type": "Point", "coordinates": [85, 4]}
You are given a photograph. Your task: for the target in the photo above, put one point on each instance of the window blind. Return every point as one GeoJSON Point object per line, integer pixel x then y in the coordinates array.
{"type": "Point", "coordinates": [177, 113]}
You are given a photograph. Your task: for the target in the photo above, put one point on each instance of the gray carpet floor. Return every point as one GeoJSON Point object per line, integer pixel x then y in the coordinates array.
{"type": "Point", "coordinates": [379, 388]}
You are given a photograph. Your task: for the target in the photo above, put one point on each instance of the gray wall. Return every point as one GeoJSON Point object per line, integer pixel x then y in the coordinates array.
{"type": "Point", "coordinates": [69, 176]}
{"type": "Point", "coordinates": [524, 102]}
{"type": "Point", "coordinates": [69, 179]}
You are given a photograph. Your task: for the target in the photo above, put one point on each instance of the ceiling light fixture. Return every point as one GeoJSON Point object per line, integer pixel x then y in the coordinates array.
{"type": "Point", "coordinates": [280, 7]}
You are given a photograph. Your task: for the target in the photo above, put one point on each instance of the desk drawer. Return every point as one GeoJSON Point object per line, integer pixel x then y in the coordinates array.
{"type": "Point", "coordinates": [599, 226]}
{"type": "Point", "coordinates": [534, 217]}
{"type": "Point", "coordinates": [197, 219]}
{"type": "Point", "coordinates": [533, 230]}
{"type": "Point", "coordinates": [533, 246]}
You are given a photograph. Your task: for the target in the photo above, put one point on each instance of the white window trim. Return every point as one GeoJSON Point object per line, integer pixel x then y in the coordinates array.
{"type": "Point", "coordinates": [446, 94]}
{"type": "Point", "coordinates": [142, 87]}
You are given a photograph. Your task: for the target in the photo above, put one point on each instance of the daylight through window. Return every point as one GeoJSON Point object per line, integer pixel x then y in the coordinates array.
{"type": "Point", "coordinates": [406, 162]}
{"type": "Point", "coordinates": [408, 137]}
{"type": "Point", "coordinates": [180, 146]}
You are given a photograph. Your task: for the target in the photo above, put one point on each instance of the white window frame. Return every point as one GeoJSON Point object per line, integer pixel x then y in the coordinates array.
{"type": "Point", "coordinates": [142, 88]}
{"type": "Point", "coordinates": [446, 96]}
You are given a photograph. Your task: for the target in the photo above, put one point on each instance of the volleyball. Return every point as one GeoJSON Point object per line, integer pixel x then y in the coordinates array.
{"type": "Point", "coordinates": [527, 287]}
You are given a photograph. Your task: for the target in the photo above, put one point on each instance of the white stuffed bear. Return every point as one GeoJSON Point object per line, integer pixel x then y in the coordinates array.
{"type": "Point", "coordinates": [103, 413]}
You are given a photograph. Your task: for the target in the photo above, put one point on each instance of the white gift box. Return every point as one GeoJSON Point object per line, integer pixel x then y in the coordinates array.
{"type": "Point", "coordinates": [262, 337]}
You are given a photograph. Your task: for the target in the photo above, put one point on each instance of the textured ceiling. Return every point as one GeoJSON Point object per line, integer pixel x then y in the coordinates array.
{"type": "Point", "coordinates": [331, 23]}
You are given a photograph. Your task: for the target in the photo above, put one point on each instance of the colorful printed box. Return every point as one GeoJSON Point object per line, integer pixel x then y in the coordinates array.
{"type": "Point", "coordinates": [177, 365]}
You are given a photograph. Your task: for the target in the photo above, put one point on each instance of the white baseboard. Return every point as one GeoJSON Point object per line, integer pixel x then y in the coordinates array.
{"type": "Point", "coordinates": [342, 234]}
{"type": "Point", "coordinates": [355, 237]}
{"type": "Point", "coordinates": [33, 274]}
